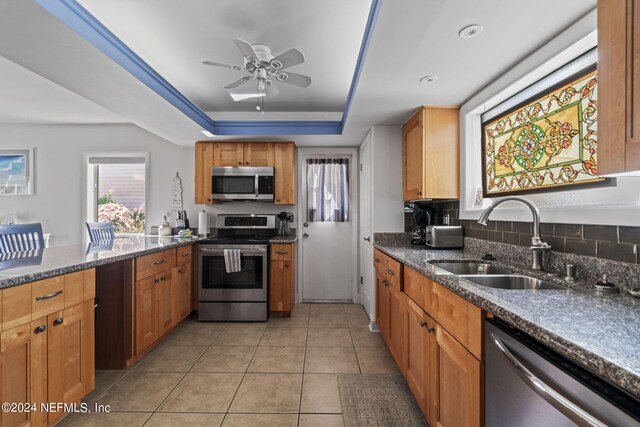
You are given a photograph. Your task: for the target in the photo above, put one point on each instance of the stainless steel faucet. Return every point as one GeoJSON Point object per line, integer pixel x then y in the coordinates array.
{"type": "Point", "coordinates": [537, 245]}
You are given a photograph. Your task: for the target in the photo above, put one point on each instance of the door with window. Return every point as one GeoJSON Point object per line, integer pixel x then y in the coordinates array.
{"type": "Point", "coordinates": [329, 248]}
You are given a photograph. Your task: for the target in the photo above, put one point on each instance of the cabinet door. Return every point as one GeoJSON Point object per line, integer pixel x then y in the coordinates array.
{"type": "Point", "coordinates": [458, 378]}
{"type": "Point", "coordinates": [146, 313]}
{"type": "Point", "coordinates": [228, 154]}
{"type": "Point", "coordinates": [258, 154]}
{"type": "Point", "coordinates": [281, 290]}
{"type": "Point", "coordinates": [396, 323]}
{"type": "Point", "coordinates": [413, 158]}
{"type": "Point", "coordinates": [181, 292]}
{"type": "Point", "coordinates": [66, 352]}
{"type": "Point", "coordinates": [417, 352]}
{"type": "Point", "coordinates": [165, 306]}
{"type": "Point", "coordinates": [619, 86]}
{"type": "Point", "coordinates": [204, 163]}
{"type": "Point", "coordinates": [285, 173]}
{"type": "Point", "coordinates": [382, 307]}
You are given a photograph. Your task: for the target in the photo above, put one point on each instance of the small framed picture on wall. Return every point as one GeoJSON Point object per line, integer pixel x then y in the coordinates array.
{"type": "Point", "coordinates": [17, 175]}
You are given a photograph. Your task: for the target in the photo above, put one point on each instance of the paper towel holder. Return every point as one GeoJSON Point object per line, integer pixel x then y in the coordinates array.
{"type": "Point", "coordinates": [203, 223]}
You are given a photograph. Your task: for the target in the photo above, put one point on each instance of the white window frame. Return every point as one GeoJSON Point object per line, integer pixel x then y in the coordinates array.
{"type": "Point", "coordinates": [90, 183]}
{"type": "Point", "coordinates": [607, 206]}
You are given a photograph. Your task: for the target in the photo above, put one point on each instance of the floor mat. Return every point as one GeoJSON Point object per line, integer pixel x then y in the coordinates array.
{"type": "Point", "coordinates": [378, 400]}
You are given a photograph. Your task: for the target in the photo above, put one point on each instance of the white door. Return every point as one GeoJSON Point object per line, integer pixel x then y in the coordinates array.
{"type": "Point", "coordinates": [366, 236]}
{"type": "Point", "coordinates": [328, 249]}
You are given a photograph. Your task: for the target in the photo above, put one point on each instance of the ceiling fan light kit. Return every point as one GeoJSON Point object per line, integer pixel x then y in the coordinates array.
{"type": "Point", "coordinates": [261, 65]}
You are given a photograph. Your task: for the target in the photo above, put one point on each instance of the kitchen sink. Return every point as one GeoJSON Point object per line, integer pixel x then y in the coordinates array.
{"type": "Point", "coordinates": [464, 268]}
{"type": "Point", "coordinates": [511, 282]}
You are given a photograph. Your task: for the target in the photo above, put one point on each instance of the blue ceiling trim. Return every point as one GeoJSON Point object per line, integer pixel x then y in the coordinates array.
{"type": "Point", "coordinates": [72, 14]}
{"type": "Point", "coordinates": [278, 127]}
{"type": "Point", "coordinates": [366, 39]}
{"type": "Point", "coordinates": [81, 21]}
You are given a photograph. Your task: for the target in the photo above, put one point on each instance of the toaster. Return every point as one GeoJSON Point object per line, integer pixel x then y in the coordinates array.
{"type": "Point", "coordinates": [444, 236]}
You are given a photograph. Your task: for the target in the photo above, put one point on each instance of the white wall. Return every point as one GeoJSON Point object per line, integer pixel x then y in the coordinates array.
{"type": "Point", "coordinates": [608, 206]}
{"type": "Point", "coordinates": [59, 180]}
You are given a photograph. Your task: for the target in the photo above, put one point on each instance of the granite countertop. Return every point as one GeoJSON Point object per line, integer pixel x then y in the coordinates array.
{"type": "Point", "coordinates": [599, 332]}
{"type": "Point", "coordinates": [55, 261]}
{"type": "Point", "coordinates": [290, 238]}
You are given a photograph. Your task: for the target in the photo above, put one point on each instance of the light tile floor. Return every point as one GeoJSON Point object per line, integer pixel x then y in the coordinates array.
{"type": "Point", "coordinates": [279, 373]}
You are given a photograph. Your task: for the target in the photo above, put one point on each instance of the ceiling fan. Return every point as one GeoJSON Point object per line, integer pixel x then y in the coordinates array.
{"type": "Point", "coordinates": [265, 69]}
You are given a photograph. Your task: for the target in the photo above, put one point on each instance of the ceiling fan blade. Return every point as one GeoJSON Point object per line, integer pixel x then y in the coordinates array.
{"type": "Point", "coordinates": [288, 59]}
{"type": "Point", "coordinates": [238, 82]}
{"type": "Point", "coordinates": [246, 48]}
{"type": "Point", "coordinates": [218, 64]}
{"type": "Point", "coordinates": [294, 79]}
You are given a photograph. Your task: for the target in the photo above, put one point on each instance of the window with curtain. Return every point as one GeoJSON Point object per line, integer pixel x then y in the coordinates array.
{"type": "Point", "coordinates": [328, 190]}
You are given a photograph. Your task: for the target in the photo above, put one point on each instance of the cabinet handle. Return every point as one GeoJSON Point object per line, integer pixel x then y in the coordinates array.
{"type": "Point", "coordinates": [377, 259]}
{"type": "Point", "coordinates": [422, 323]}
{"type": "Point", "coordinates": [58, 321]}
{"type": "Point", "coordinates": [49, 296]}
{"type": "Point", "coordinates": [247, 163]}
{"type": "Point", "coordinates": [157, 280]}
{"type": "Point", "coordinates": [239, 163]}
{"type": "Point", "coordinates": [162, 277]}
{"type": "Point", "coordinates": [282, 252]}
{"type": "Point", "coordinates": [385, 283]}
{"type": "Point", "coordinates": [286, 266]}
{"type": "Point", "coordinates": [184, 255]}
{"type": "Point", "coordinates": [430, 329]}
{"type": "Point", "coordinates": [158, 262]}
{"type": "Point", "coordinates": [40, 329]}
{"type": "Point", "coordinates": [419, 193]}
{"type": "Point", "coordinates": [180, 270]}
{"type": "Point", "coordinates": [390, 271]}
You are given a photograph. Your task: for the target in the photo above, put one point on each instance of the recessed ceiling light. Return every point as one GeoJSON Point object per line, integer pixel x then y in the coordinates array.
{"type": "Point", "coordinates": [207, 134]}
{"type": "Point", "coordinates": [428, 79]}
{"type": "Point", "coordinates": [470, 31]}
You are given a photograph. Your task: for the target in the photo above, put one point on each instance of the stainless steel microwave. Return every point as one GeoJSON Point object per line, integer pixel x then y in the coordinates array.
{"type": "Point", "coordinates": [242, 183]}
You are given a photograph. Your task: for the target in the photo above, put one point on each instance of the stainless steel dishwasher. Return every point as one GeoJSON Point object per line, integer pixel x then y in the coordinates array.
{"type": "Point", "coordinates": [529, 385]}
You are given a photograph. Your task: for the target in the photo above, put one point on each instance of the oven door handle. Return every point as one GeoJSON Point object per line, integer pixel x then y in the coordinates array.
{"type": "Point", "coordinates": [242, 251]}
{"type": "Point", "coordinates": [257, 185]}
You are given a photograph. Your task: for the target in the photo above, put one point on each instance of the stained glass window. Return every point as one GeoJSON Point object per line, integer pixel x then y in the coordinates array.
{"type": "Point", "coordinates": [547, 142]}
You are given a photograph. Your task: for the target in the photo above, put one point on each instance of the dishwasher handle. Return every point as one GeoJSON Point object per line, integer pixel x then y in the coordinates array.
{"type": "Point", "coordinates": [548, 393]}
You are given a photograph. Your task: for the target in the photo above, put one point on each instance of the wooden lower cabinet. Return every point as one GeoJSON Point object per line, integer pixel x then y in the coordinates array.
{"type": "Point", "coordinates": [181, 292]}
{"type": "Point", "coordinates": [390, 315]}
{"type": "Point", "coordinates": [396, 310]}
{"type": "Point", "coordinates": [146, 323]}
{"type": "Point", "coordinates": [165, 304]}
{"type": "Point", "coordinates": [457, 380]}
{"type": "Point", "coordinates": [68, 352]}
{"type": "Point", "coordinates": [420, 342]}
{"type": "Point", "coordinates": [282, 278]}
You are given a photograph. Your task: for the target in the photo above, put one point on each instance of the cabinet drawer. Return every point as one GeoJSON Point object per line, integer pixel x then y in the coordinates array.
{"type": "Point", "coordinates": [149, 265]}
{"type": "Point", "coordinates": [413, 286]}
{"type": "Point", "coordinates": [183, 254]}
{"type": "Point", "coordinates": [389, 268]}
{"type": "Point", "coordinates": [16, 306]}
{"type": "Point", "coordinates": [73, 288]}
{"type": "Point", "coordinates": [47, 296]}
{"type": "Point", "coordinates": [281, 252]}
{"type": "Point", "coordinates": [461, 319]}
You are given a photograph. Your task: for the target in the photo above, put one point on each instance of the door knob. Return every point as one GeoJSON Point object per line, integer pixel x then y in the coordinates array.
{"type": "Point", "coordinates": [367, 239]}
{"type": "Point", "coordinates": [306, 224]}
{"type": "Point", "coordinates": [305, 235]}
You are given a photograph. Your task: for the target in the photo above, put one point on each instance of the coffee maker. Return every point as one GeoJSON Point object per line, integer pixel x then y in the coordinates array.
{"type": "Point", "coordinates": [423, 216]}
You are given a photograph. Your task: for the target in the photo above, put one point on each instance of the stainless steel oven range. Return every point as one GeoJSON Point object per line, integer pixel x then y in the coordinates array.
{"type": "Point", "coordinates": [242, 295]}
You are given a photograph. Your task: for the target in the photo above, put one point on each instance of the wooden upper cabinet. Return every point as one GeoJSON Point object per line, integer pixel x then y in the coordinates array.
{"type": "Point", "coordinates": [204, 163]}
{"type": "Point", "coordinates": [430, 161]}
{"type": "Point", "coordinates": [259, 154]}
{"type": "Point", "coordinates": [284, 157]}
{"type": "Point", "coordinates": [619, 86]}
{"type": "Point", "coordinates": [228, 154]}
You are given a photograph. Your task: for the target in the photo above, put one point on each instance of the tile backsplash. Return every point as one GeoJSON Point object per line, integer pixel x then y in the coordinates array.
{"type": "Point", "coordinates": [618, 243]}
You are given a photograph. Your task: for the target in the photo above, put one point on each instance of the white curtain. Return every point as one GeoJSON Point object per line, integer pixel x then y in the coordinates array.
{"type": "Point", "coordinates": [328, 190]}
